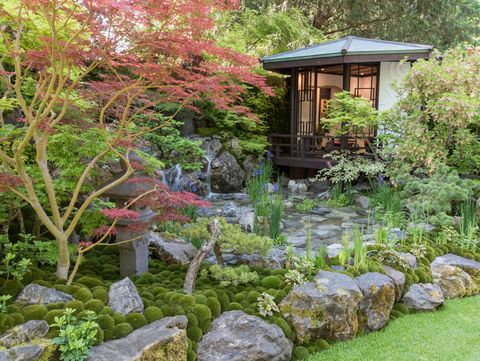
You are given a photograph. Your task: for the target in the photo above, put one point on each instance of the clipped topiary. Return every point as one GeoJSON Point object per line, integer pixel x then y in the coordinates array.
{"type": "Point", "coordinates": [136, 320]}
{"type": "Point", "coordinates": [106, 322]}
{"type": "Point", "coordinates": [118, 318]}
{"type": "Point", "coordinates": [50, 316]}
{"type": "Point", "coordinates": [17, 318]}
{"type": "Point", "coordinates": [101, 294]}
{"type": "Point", "coordinates": [76, 305]}
{"type": "Point", "coordinates": [107, 310]}
{"type": "Point", "coordinates": [34, 312]}
{"type": "Point", "coordinates": [194, 333]}
{"type": "Point", "coordinates": [90, 281]}
{"type": "Point", "coordinates": [301, 353]}
{"type": "Point", "coordinates": [201, 299]}
{"type": "Point", "coordinates": [122, 330]}
{"type": "Point", "coordinates": [235, 306]}
{"type": "Point", "coordinates": [94, 305]}
{"type": "Point", "coordinates": [214, 306]}
{"type": "Point", "coordinates": [11, 287]}
{"type": "Point", "coordinates": [152, 313]}
{"type": "Point", "coordinates": [83, 294]}
{"type": "Point", "coordinates": [202, 312]}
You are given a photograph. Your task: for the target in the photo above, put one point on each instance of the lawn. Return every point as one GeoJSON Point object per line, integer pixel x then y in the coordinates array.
{"type": "Point", "coordinates": [451, 334]}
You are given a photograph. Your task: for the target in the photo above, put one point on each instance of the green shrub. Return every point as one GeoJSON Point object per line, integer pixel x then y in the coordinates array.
{"type": "Point", "coordinates": [201, 299]}
{"type": "Point", "coordinates": [301, 353]}
{"type": "Point", "coordinates": [192, 320]}
{"type": "Point", "coordinates": [202, 312]}
{"type": "Point", "coordinates": [136, 320]}
{"type": "Point", "coordinates": [271, 282]}
{"type": "Point", "coordinates": [34, 312]}
{"type": "Point", "coordinates": [119, 318]}
{"type": "Point", "coordinates": [214, 306]}
{"type": "Point", "coordinates": [17, 318]}
{"type": "Point", "coordinates": [101, 294]}
{"type": "Point", "coordinates": [122, 330]}
{"type": "Point", "coordinates": [153, 313]}
{"type": "Point", "coordinates": [76, 305]}
{"type": "Point", "coordinates": [194, 333]}
{"type": "Point", "coordinates": [106, 322]}
{"type": "Point", "coordinates": [90, 282]}
{"type": "Point", "coordinates": [83, 294]}
{"type": "Point", "coordinates": [235, 306]}
{"type": "Point", "coordinates": [50, 315]}
{"type": "Point", "coordinates": [94, 305]}
{"type": "Point", "coordinates": [107, 310]}
{"type": "Point", "coordinates": [11, 287]}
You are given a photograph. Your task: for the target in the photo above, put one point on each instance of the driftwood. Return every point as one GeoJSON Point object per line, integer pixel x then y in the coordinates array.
{"type": "Point", "coordinates": [194, 267]}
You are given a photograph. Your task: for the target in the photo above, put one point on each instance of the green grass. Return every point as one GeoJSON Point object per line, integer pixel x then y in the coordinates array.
{"type": "Point", "coordinates": [450, 334]}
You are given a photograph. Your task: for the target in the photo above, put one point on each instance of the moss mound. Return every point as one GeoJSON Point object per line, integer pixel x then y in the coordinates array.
{"type": "Point", "coordinates": [75, 304]}
{"type": "Point", "coordinates": [11, 287]}
{"type": "Point", "coordinates": [194, 333]}
{"type": "Point", "coordinates": [94, 305]}
{"type": "Point", "coordinates": [153, 313]}
{"type": "Point", "coordinates": [83, 294]}
{"type": "Point", "coordinates": [136, 320]}
{"type": "Point", "coordinates": [90, 282]}
{"type": "Point", "coordinates": [122, 330]}
{"type": "Point", "coordinates": [34, 312]}
{"type": "Point", "coordinates": [106, 322]}
{"type": "Point", "coordinates": [214, 306]}
{"type": "Point", "coordinates": [50, 316]}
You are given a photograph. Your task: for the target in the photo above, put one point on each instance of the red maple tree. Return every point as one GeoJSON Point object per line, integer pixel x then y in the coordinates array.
{"type": "Point", "coordinates": [125, 56]}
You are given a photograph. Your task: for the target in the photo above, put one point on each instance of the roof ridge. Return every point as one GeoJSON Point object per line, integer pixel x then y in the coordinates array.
{"type": "Point", "coordinates": [304, 48]}
{"type": "Point", "coordinates": [422, 46]}
{"type": "Point", "coordinates": [347, 44]}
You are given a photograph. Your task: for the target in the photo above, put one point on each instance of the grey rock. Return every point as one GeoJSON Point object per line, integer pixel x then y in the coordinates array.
{"type": "Point", "coordinates": [337, 268]}
{"type": "Point", "coordinates": [457, 276]}
{"type": "Point", "coordinates": [247, 221]}
{"type": "Point", "coordinates": [250, 163]}
{"type": "Point", "coordinates": [292, 186]}
{"type": "Point", "coordinates": [275, 259]}
{"type": "Point", "coordinates": [165, 339]}
{"type": "Point", "coordinates": [236, 336]}
{"type": "Point", "coordinates": [324, 196]}
{"type": "Point", "coordinates": [321, 211]}
{"type": "Point", "coordinates": [24, 333]}
{"type": "Point", "coordinates": [453, 281]}
{"type": "Point", "coordinates": [230, 210]}
{"type": "Point", "coordinates": [378, 299]}
{"type": "Point", "coordinates": [172, 250]}
{"type": "Point", "coordinates": [409, 258]}
{"type": "Point", "coordinates": [326, 308]}
{"type": "Point", "coordinates": [227, 176]}
{"type": "Point", "coordinates": [36, 294]}
{"type": "Point", "coordinates": [423, 297]}
{"type": "Point", "coordinates": [124, 298]}
{"type": "Point", "coordinates": [28, 352]}
{"type": "Point", "coordinates": [362, 202]}
{"type": "Point", "coordinates": [398, 279]}
{"type": "Point", "coordinates": [457, 261]}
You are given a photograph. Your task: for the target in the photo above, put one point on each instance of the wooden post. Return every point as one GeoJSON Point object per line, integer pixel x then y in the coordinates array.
{"type": "Point", "coordinates": [194, 267]}
{"type": "Point", "coordinates": [346, 87]}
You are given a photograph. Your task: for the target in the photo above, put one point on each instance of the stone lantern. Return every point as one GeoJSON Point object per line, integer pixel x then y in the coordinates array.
{"type": "Point", "coordinates": [133, 254]}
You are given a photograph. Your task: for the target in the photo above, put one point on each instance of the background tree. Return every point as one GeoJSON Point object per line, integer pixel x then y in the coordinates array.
{"type": "Point", "coordinates": [99, 68]}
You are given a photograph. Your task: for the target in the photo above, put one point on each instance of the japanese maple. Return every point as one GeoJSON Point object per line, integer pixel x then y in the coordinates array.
{"type": "Point", "coordinates": [113, 61]}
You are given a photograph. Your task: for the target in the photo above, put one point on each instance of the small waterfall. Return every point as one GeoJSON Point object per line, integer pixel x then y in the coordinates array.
{"type": "Point", "coordinates": [173, 178]}
{"type": "Point", "coordinates": [209, 157]}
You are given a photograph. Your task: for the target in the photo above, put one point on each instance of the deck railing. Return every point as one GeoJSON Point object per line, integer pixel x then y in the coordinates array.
{"type": "Point", "coordinates": [316, 146]}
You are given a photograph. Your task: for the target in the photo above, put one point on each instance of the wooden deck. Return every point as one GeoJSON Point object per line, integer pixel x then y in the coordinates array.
{"type": "Point", "coordinates": [311, 151]}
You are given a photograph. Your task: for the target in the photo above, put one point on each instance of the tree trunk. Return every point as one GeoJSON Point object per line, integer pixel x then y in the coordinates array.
{"type": "Point", "coordinates": [218, 254]}
{"type": "Point", "coordinates": [191, 276]}
{"type": "Point", "coordinates": [21, 222]}
{"type": "Point", "coordinates": [63, 263]}
{"type": "Point", "coordinates": [36, 227]}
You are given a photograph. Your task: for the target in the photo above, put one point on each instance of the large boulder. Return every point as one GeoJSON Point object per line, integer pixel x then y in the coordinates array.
{"type": "Point", "coordinates": [24, 333]}
{"type": "Point", "coordinates": [409, 259]}
{"type": "Point", "coordinates": [28, 352]}
{"type": "Point", "coordinates": [398, 279]}
{"type": "Point", "coordinates": [172, 250]}
{"type": "Point", "coordinates": [378, 298]}
{"type": "Point", "coordinates": [236, 336]}
{"type": "Point", "coordinates": [423, 297]}
{"type": "Point", "coordinates": [227, 175]}
{"type": "Point", "coordinates": [456, 276]}
{"type": "Point", "coordinates": [163, 340]}
{"type": "Point", "coordinates": [124, 298]}
{"type": "Point", "coordinates": [36, 294]}
{"type": "Point", "coordinates": [326, 308]}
